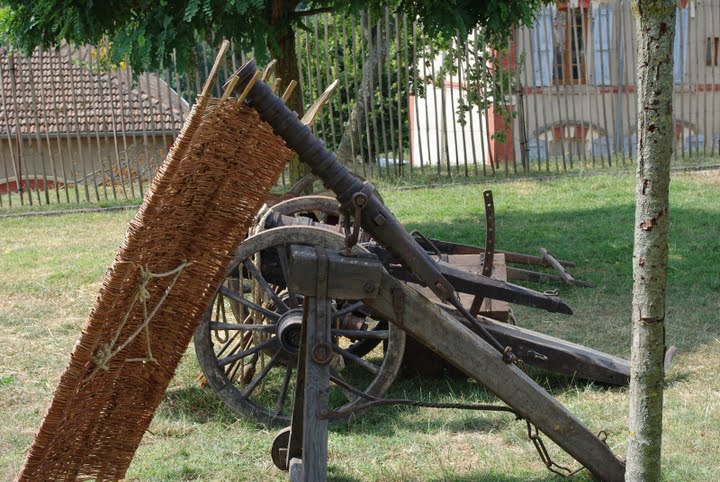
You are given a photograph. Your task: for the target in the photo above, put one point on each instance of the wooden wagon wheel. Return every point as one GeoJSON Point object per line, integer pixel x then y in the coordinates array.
{"type": "Point", "coordinates": [250, 362]}
{"type": "Point", "coordinates": [326, 210]}
{"type": "Point", "coordinates": [322, 209]}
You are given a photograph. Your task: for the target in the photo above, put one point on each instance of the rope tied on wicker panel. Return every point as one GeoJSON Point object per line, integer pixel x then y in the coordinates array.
{"type": "Point", "coordinates": [107, 351]}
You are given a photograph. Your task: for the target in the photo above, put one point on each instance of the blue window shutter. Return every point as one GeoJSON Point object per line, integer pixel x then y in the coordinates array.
{"type": "Point", "coordinates": [536, 148]}
{"type": "Point", "coordinates": [602, 40]}
{"type": "Point", "coordinates": [542, 48]}
{"type": "Point", "coordinates": [680, 45]}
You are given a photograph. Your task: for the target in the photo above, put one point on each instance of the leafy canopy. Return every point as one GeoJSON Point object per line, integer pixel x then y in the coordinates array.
{"type": "Point", "coordinates": [148, 32]}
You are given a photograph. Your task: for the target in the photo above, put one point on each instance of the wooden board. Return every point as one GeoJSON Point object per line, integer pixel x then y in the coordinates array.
{"type": "Point", "coordinates": [495, 309]}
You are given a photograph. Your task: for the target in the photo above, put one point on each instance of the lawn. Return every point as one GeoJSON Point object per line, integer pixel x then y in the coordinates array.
{"type": "Point", "coordinates": [51, 269]}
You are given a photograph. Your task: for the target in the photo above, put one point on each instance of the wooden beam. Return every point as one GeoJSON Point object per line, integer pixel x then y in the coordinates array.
{"type": "Point", "coordinates": [449, 338]}
{"type": "Point", "coordinates": [559, 355]}
{"type": "Point", "coordinates": [567, 277]}
{"type": "Point", "coordinates": [449, 247]}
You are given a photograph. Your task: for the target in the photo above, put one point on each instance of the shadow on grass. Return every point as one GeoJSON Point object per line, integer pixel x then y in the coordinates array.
{"type": "Point", "coordinates": [600, 241]}
{"type": "Point", "coordinates": [493, 476]}
{"type": "Point", "coordinates": [195, 404]}
{"type": "Point", "coordinates": [336, 475]}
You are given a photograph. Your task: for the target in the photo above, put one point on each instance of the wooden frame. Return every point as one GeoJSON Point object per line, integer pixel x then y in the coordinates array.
{"type": "Point", "coordinates": [570, 62]}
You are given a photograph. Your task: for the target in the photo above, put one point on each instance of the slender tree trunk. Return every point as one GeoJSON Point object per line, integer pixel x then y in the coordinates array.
{"type": "Point", "coordinates": [282, 47]}
{"type": "Point", "coordinates": [655, 27]}
{"type": "Point", "coordinates": [352, 135]}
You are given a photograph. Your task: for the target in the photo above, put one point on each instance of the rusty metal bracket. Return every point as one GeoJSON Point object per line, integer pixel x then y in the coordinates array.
{"type": "Point", "coordinates": [359, 201]}
{"type": "Point", "coordinates": [489, 251]}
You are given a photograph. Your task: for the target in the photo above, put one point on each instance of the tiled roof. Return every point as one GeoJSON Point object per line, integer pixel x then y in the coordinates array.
{"type": "Point", "coordinates": [61, 91]}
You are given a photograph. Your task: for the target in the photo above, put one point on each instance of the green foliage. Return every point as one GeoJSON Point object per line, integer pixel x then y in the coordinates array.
{"type": "Point", "coordinates": [152, 33]}
{"type": "Point", "coordinates": [458, 17]}
{"type": "Point", "coordinates": [149, 33]}
{"type": "Point", "coordinates": [155, 34]}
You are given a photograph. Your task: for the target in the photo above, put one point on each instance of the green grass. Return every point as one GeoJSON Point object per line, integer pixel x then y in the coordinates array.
{"type": "Point", "coordinates": [51, 268]}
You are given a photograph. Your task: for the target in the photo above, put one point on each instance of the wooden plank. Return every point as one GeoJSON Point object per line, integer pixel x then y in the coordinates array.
{"type": "Point", "coordinates": [296, 470]}
{"type": "Point", "coordinates": [317, 379]}
{"type": "Point", "coordinates": [446, 336]}
{"type": "Point", "coordinates": [559, 355]}
{"type": "Point", "coordinates": [458, 248]}
{"type": "Point", "coordinates": [496, 309]}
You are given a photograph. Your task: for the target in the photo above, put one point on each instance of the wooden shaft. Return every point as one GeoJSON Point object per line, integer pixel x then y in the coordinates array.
{"type": "Point", "coordinates": [446, 336]}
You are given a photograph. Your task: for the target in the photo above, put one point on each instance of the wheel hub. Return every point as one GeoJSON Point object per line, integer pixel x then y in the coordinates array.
{"type": "Point", "coordinates": [288, 330]}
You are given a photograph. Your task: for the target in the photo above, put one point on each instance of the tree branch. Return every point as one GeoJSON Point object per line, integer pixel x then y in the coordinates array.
{"type": "Point", "coordinates": [308, 13]}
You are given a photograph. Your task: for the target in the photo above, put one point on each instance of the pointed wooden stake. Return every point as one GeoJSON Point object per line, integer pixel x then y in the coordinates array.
{"type": "Point", "coordinates": [219, 59]}
{"type": "Point", "coordinates": [314, 109]}
{"type": "Point", "coordinates": [269, 69]}
{"type": "Point", "coordinates": [230, 86]}
{"type": "Point", "coordinates": [290, 89]}
{"type": "Point", "coordinates": [249, 86]}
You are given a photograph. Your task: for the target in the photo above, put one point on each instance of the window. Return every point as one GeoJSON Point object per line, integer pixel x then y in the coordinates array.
{"type": "Point", "coordinates": [680, 46]}
{"type": "Point", "coordinates": [570, 46]}
{"type": "Point", "coordinates": [602, 40]}
{"type": "Point", "coordinates": [711, 51]}
{"type": "Point", "coordinates": [541, 41]}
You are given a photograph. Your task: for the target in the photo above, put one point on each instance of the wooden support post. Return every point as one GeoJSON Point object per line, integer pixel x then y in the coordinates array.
{"type": "Point", "coordinates": [307, 449]}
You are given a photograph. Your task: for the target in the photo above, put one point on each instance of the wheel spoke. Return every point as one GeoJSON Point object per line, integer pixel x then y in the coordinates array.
{"type": "Point", "coordinates": [227, 344]}
{"type": "Point", "coordinates": [374, 369]}
{"type": "Point", "coordinates": [216, 325]}
{"type": "Point", "coordinates": [335, 375]}
{"type": "Point", "coordinates": [283, 390]}
{"type": "Point", "coordinates": [283, 256]}
{"type": "Point", "coordinates": [368, 334]}
{"type": "Point", "coordinates": [281, 306]}
{"type": "Point", "coordinates": [254, 383]}
{"type": "Point", "coordinates": [253, 306]}
{"type": "Point", "coordinates": [249, 351]}
{"type": "Point", "coordinates": [347, 309]}
{"type": "Point", "coordinates": [233, 369]}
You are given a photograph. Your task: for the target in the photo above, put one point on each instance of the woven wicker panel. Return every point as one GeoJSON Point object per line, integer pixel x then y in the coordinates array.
{"type": "Point", "coordinates": [197, 211]}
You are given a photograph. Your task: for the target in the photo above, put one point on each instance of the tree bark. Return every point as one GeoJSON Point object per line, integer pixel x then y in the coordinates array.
{"type": "Point", "coordinates": [282, 47]}
{"type": "Point", "coordinates": [655, 28]}
{"type": "Point", "coordinates": [352, 135]}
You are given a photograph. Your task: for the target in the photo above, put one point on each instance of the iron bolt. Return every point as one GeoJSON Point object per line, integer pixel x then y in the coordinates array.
{"type": "Point", "coordinates": [322, 354]}
{"type": "Point", "coordinates": [369, 287]}
{"type": "Point", "coordinates": [359, 199]}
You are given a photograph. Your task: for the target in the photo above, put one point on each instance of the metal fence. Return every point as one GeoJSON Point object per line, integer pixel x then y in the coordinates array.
{"type": "Point", "coordinates": [74, 128]}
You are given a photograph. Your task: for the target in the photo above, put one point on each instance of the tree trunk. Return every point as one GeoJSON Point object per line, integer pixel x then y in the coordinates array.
{"type": "Point", "coordinates": [352, 135]}
{"type": "Point", "coordinates": [655, 28]}
{"type": "Point", "coordinates": [282, 48]}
